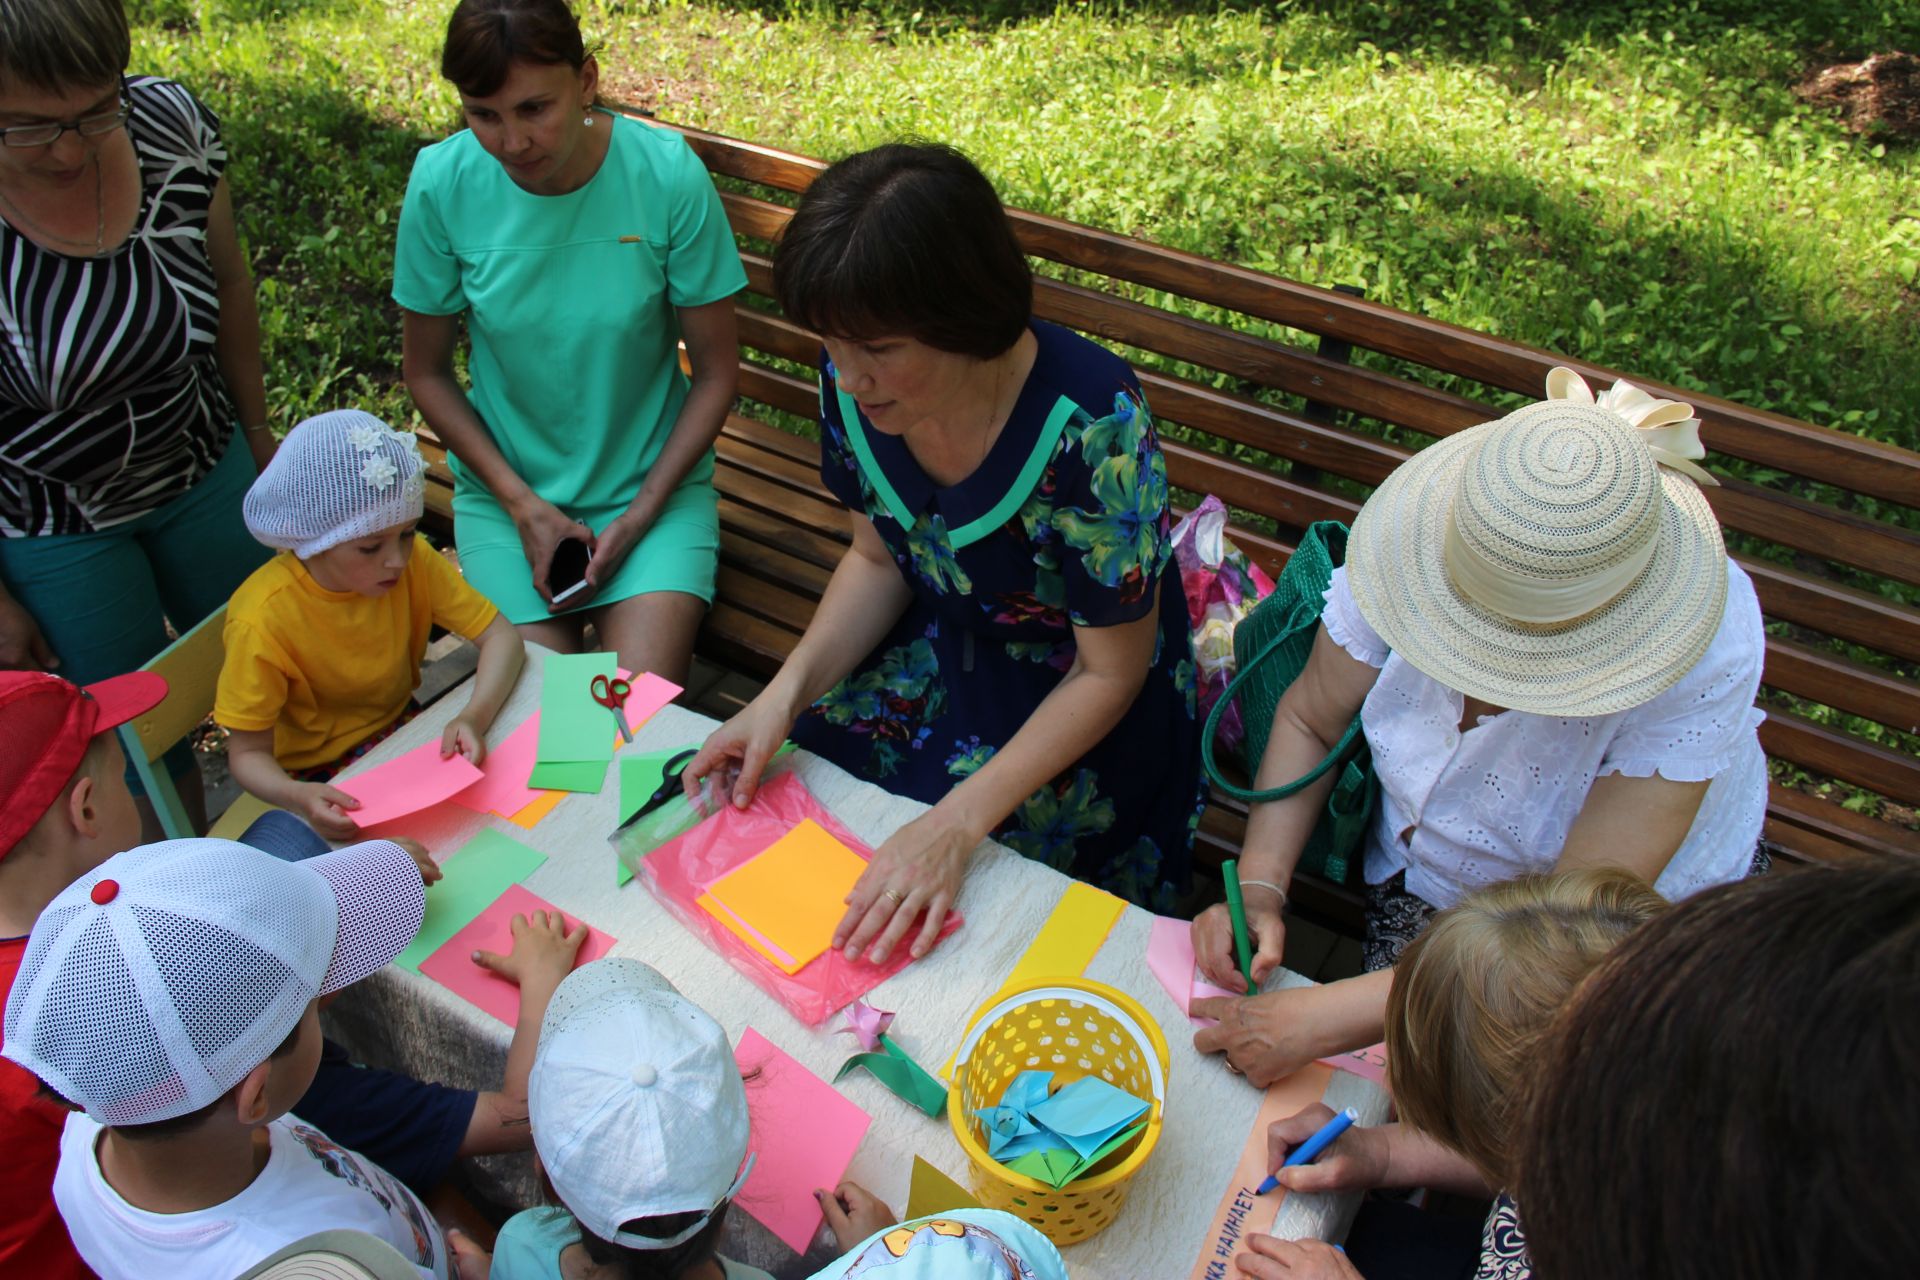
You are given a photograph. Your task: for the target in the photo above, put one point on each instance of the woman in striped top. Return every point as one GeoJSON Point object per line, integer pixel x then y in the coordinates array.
{"type": "Point", "coordinates": [132, 351]}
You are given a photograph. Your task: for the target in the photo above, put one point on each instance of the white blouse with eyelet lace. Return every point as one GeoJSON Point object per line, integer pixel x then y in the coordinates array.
{"type": "Point", "coordinates": [1498, 800]}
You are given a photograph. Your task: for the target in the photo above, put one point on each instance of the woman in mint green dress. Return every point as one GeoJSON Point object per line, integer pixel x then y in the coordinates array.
{"type": "Point", "coordinates": [580, 247]}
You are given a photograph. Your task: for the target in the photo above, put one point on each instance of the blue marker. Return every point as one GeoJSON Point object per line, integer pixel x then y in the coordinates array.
{"type": "Point", "coordinates": [1308, 1151]}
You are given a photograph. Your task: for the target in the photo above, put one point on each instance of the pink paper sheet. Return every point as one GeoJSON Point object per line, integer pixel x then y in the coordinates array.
{"type": "Point", "coordinates": [680, 870]}
{"type": "Point", "coordinates": [503, 789]}
{"type": "Point", "coordinates": [407, 784]}
{"type": "Point", "coordinates": [452, 965]}
{"type": "Point", "coordinates": [650, 693]}
{"type": "Point", "coordinates": [1170, 956]}
{"type": "Point", "coordinates": [803, 1136]}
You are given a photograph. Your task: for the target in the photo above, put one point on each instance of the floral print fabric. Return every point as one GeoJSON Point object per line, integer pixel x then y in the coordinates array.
{"type": "Point", "coordinates": [990, 630]}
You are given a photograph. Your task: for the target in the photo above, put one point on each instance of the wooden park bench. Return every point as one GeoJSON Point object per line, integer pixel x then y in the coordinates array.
{"type": "Point", "coordinates": [1287, 430]}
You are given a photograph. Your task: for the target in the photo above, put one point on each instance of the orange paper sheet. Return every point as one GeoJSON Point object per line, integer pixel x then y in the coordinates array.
{"type": "Point", "coordinates": [1240, 1211]}
{"type": "Point", "coordinates": [539, 809]}
{"type": "Point", "coordinates": [790, 897]}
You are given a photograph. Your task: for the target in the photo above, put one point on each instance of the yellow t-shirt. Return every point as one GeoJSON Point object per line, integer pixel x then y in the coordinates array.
{"type": "Point", "coordinates": [324, 669]}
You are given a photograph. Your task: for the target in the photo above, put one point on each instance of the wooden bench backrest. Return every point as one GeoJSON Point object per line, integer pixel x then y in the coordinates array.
{"type": "Point", "coordinates": [1290, 434]}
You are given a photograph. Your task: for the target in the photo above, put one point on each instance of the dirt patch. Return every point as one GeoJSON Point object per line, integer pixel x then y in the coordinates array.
{"type": "Point", "coordinates": [1881, 94]}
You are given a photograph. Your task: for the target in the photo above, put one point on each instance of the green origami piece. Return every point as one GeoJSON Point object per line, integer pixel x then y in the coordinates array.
{"type": "Point", "coordinates": [1057, 1166]}
{"type": "Point", "coordinates": [906, 1078]}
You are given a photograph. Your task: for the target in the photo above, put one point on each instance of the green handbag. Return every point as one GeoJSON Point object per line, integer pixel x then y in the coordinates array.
{"type": "Point", "coordinates": [1270, 649]}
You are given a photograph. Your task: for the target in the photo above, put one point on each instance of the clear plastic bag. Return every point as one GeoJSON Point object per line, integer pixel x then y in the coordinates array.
{"type": "Point", "coordinates": [679, 871]}
{"type": "Point", "coordinates": [1221, 587]}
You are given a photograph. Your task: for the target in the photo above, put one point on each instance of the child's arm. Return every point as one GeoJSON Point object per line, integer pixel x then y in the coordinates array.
{"type": "Point", "coordinates": [544, 949]}
{"type": "Point", "coordinates": [1368, 1156]}
{"type": "Point", "coordinates": [250, 760]}
{"type": "Point", "coordinates": [502, 654]}
{"type": "Point", "coordinates": [853, 1212]}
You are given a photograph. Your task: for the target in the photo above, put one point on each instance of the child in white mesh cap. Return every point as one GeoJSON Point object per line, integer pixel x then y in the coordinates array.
{"type": "Point", "coordinates": [170, 994]}
{"type": "Point", "coordinates": [324, 641]}
{"type": "Point", "coordinates": [640, 1122]}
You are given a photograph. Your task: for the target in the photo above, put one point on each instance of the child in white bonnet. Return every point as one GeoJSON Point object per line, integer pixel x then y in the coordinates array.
{"type": "Point", "coordinates": [324, 641]}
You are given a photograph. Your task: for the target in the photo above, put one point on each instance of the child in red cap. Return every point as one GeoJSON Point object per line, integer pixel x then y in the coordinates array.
{"type": "Point", "coordinates": [64, 810]}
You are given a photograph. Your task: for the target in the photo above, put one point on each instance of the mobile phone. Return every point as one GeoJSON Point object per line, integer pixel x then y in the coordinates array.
{"type": "Point", "coordinates": [567, 572]}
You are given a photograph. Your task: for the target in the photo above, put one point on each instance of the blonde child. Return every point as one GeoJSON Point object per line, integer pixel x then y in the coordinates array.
{"type": "Point", "coordinates": [324, 641]}
{"type": "Point", "coordinates": [1472, 1000]}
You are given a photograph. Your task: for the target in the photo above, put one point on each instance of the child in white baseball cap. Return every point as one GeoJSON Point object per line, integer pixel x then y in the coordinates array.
{"type": "Point", "coordinates": [640, 1122]}
{"type": "Point", "coordinates": [324, 641]}
{"type": "Point", "coordinates": [170, 995]}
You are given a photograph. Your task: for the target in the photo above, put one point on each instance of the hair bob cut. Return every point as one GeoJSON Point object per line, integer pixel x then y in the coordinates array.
{"type": "Point", "coordinates": [57, 45]}
{"type": "Point", "coordinates": [1476, 992]}
{"type": "Point", "coordinates": [905, 240]}
{"type": "Point", "coordinates": [1732, 1093]}
{"type": "Point", "coordinates": [486, 37]}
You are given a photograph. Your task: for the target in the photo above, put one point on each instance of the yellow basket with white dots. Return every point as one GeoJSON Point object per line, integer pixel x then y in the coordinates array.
{"type": "Point", "coordinates": [1073, 1028]}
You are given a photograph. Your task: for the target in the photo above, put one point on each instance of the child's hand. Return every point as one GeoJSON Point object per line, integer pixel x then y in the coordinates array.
{"type": "Point", "coordinates": [325, 808]}
{"type": "Point", "coordinates": [544, 947]}
{"type": "Point", "coordinates": [470, 1261]}
{"type": "Point", "coordinates": [464, 736]}
{"type": "Point", "coordinates": [1269, 1258]}
{"type": "Point", "coordinates": [854, 1213]}
{"type": "Point", "coordinates": [429, 869]}
{"type": "Point", "coordinates": [1357, 1160]}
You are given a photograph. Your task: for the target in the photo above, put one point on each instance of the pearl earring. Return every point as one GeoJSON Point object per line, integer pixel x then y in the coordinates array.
{"type": "Point", "coordinates": [588, 121]}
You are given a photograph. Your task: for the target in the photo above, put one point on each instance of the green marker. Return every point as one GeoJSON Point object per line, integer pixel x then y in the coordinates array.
{"type": "Point", "coordinates": [1230, 872]}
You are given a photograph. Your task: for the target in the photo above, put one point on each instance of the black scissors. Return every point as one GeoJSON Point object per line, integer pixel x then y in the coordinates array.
{"type": "Point", "coordinates": [669, 786]}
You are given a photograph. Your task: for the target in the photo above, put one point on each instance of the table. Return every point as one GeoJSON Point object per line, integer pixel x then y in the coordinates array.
{"type": "Point", "coordinates": [399, 1019]}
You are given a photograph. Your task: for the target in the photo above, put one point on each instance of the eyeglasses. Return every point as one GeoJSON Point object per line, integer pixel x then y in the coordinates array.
{"type": "Point", "coordinates": [43, 135]}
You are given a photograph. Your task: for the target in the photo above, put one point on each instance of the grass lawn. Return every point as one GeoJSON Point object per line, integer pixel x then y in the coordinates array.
{"type": "Point", "coordinates": [1637, 187]}
{"type": "Point", "coordinates": [1631, 183]}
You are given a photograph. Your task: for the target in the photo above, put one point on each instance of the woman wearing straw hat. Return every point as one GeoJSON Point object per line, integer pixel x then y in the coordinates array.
{"type": "Point", "coordinates": [1555, 664]}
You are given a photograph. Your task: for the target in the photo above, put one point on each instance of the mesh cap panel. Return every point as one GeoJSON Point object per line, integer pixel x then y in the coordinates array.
{"type": "Point", "coordinates": [153, 984]}
{"type": "Point", "coordinates": [336, 477]}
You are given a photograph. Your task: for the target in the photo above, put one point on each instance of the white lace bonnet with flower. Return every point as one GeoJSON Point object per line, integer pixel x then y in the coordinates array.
{"type": "Point", "coordinates": [336, 477]}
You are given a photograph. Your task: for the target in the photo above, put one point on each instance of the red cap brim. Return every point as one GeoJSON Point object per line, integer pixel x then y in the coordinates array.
{"type": "Point", "coordinates": [121, 698]}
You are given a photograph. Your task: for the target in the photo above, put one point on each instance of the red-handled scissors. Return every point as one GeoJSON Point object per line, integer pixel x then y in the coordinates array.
{"type": "Point", "coordinates": [612, 694]}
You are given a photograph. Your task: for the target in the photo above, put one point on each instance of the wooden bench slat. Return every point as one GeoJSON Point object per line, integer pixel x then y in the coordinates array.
{"type": "Point", "coordinates": [1831, 609]}
{"type": "Point", "coordinates": [739, 640]}
{"type": "Point", "coordinates": [1845, 685]}
{"type": "Point", "coordinates": [1792, 813]}
{"type": "Point", "coordinates": [1841, 755]}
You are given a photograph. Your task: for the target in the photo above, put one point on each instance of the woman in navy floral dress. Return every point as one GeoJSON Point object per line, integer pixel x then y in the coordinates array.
{"type": "Point", "coordinates": [1006, 639]}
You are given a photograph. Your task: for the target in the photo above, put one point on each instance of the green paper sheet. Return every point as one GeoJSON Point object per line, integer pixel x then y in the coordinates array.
{"type": "Point", "coordinates": [477, 873]}
{"type": "Point", "coordinates": [569, 775]}
{"type": "Point", "coordinates": [905, 1077]}
{"type": "Point", "coordinates": [1057, 1166]}
{"type": "Point", "coordinates": [639, 778]}
{"type": "Point", "coordinates": [573, 726]}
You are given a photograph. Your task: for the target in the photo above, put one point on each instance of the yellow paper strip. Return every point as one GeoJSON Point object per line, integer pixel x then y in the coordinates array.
{"type": "Point", "coordinates": [931, 1191]}
{"type": "Point", "coordinates": [1065, 945]}
{"type": "Point", "coordinates": [1240, 1211]}
{"type": "Point", "coordinates": [537, 809]}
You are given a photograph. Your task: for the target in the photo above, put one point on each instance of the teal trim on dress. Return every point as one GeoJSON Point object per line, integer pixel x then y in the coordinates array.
{"type": "Point", "coordinates": [1002, 511]}
{"type": "Point", "coordinates": [1016, 497]}
{"type": "Point", "coordinates": [850, 418]}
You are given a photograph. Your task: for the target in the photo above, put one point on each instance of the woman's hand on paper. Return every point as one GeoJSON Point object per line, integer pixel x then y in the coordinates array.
{"type": "Point", "coordinates": [1213, 948]}
{"type": "Point", "coordinates": [1264, 1037]}
{"type": "Point", "coordinates": [1358, 1160]}
{"type": "Point", "coordinates": [854, 1213]}
{"type": "Point", "coordinates": [736, 754]}
{"type": "Point", "coordinates": [1270, 1258]}
{"type": "Point", "coordinates": [915, 875]}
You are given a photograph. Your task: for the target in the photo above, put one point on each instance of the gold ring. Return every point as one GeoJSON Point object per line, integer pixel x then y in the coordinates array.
{"type": "Point", "coordinates": [895, 894]}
